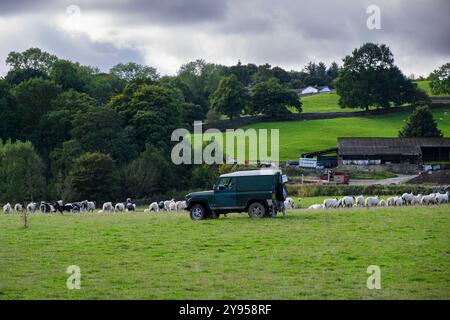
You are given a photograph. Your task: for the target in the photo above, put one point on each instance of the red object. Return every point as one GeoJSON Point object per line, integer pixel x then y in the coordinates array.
{"type": "Point", "coordinates": [341, 178]}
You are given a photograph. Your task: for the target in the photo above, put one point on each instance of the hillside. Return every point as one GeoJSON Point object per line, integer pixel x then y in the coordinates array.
{"type": "Point", "coordinates": [301, 136]}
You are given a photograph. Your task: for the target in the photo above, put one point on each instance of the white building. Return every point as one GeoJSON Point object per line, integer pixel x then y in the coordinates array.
{"type": "Point", "coordinates": [310, 90]}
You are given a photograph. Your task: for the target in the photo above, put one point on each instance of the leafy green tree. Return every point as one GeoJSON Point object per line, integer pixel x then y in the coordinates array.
{"type": "Point", "coordinates": [34, 98]}
{"type": "Point", "coordinates": [32, 58]}
{"type": "Point", "coordinates": [9, 113]}
{"type": "Point", "coordinates": [149, 174]}
{"type": "Point", "coordinates": [420, 124]}
{"type": "Point", "coordinates": [132, 71]}
{"type": "Point", "coordinates": [68, 75]}
{"type": "Point", "coordinates": [231, 97]}
{"type": "Point", "coordinates": [153, 111]}
{"type": "Point", "coordinates": [440, 80]}
{"type": "Point", "coordinates": [202, 79]}
{"type": "Point", "coordinates": [21, 172]}
{"type": "Point", "coordinates": [271, 98]}
{"type": "Point", "coordinates": [103, 86]}
{"type": "Point", "coordinates": [192, 112]}
{"type": "Point", "coordinates": [16, 76]}
{"type": "Point", "coordinates": [101, 129]}
{"type": "Point", "coordinates": [93, 176]}
{"type": "Point", "coordinates": [370, 78]}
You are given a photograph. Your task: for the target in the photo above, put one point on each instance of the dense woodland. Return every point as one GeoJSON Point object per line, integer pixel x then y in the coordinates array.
{"type": "Point", "coordinates": [72, 132]}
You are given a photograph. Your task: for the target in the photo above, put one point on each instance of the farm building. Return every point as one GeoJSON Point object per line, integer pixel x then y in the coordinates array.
{"type": "Point", "coordinates": [314, 89]}
{"type": "Point", "coordinates": [397, 153]}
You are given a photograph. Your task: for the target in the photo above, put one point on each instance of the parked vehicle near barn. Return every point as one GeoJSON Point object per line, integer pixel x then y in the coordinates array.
{"type": "Point", "coordinates": [259, 192]}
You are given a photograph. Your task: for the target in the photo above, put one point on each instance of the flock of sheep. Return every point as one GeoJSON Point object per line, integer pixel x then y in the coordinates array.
{"type": "Point", "coordinates": [90, 206]}
{"type": "Point", "coordinates": [375, 201]}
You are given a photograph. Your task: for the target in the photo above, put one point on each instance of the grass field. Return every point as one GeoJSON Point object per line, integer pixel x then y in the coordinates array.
{"type": "Point", "coordinates": [305, 255]}
{"type": "Point", "coordinates": [324, 102]}
{"type": "Point", "coordinates": [302, 136]}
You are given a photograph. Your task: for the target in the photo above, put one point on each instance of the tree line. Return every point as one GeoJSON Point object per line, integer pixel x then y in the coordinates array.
{"type": "Point", "coordinates": [83, 133]}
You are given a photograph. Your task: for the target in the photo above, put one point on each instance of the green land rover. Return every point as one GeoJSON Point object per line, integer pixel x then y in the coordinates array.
{"type": "Point", "coordinates": [259, 192]}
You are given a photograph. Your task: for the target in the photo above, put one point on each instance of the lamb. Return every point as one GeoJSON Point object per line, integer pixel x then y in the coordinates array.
{"type": "Point", "coordinates": [289, 203]}
{"type": "Point", "coordinates": [180, 205]}
{"type": "Point", "coordinates": [31, 207]}
{"type": "Point", "coordinates": [372, 201]}
{"type": "Point", "coordinates": [107, 207]}
{"type": "Point", "coordinates": [398, 201]}
{"type": "Point", "coordinates": [153, 207]}
{"type": "Point", "coordinates": [407, 198]}
{"type": "Point", "coordinates": [416, 199]}
{"type": "Point", "coordinates": [172, 206]}
{"type": "Point", "coordinates": [391, 201]}
{"type": "Point", "coordinates": [347, 201]}
{"type": "Point", "coordinates": [7, 209]}
{"type": "Point", "coordinates": [441, 198]}
{"type": "Point", "coordinates": [119, 207]}
{"type": "Point", "coordinates": [330, 203]}
{"type": "Point", "coordinates": [18, 207]}
{"type": "Point", "coordinates": [382, 203]}
{"type": "Point", "coordinates": [429, 199]}
{"type": "Point", "coordinates": [316, 206]}
{"type": "Point", "coordinates": [167, 204]}
{"type": "Point", "coordinates": [359, 201]}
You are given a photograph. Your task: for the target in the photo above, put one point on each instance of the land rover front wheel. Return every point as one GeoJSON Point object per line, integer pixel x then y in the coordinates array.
{"type": "Point", "coordinates": [257, 210]}
{"type": "Point", "coordinates": [198, 212]}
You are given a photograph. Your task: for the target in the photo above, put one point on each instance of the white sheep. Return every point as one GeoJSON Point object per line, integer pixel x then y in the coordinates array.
{"type": "Point", "coordinates": [153, 207]}
{"type": "Point", "coordinates": [416, 199]}
{"type": "Point", "coordinates": [107, 207]}
{"type": "Point", "coordinates": [372, 201]}
{"type": "Point", "coordinates": [119, 207]}
{"type": "Point", "coordinates": [289, 203]}
{"type": "Point", "coordinates": [330, 203]}
{"type": "Point", "coordinates": [180, 205]}
{"type": "Point", "coordinates": [391, 201]}
{"type": "Point", "coordinates": [7, 209]}
{"type": "Point", "coordinates": [347, 202]}
{"type": "Point", "coordinates": [407, 198]}
{"type": "Point", "coordinates": [18, 207]}
{"type": "Point", "coordinates": [316, 207]}
{"type": "Point", "coordinates": [359, 201]}
{"type": "Point", "coordinates": [398, 201]}
{"type": "Point", "coordinates": [429, 199]}
{"type": "Point", "coordinates": [31, 207]}
{"type": "Point", "coordinates": [441, 198]}
{"type": "Point", "coordinates": [382, 203]}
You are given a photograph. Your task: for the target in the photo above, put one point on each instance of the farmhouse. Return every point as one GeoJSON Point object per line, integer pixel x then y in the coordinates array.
{"type": "Point", "coordinates": [314, 90]}
{"type": "Point", "coordinates": [398, 153]}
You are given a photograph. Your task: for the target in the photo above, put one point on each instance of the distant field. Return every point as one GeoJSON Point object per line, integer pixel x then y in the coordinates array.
{"type": "Point", "coordinates": [305, 255]}
{"type": "Point", "coordinates": [324, 102]}
{"type": "Point", "coordinates": [425, 86]}
{"type": "Point", "coordinates": [301, 136]}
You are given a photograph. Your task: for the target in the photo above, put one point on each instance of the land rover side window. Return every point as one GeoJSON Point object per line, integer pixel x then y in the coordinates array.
{"type": "Point", "coordinates": [226, 184]}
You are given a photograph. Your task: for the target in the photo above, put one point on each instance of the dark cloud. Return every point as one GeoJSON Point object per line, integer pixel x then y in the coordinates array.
{"type": "Point", "coordinates": [288, 33]}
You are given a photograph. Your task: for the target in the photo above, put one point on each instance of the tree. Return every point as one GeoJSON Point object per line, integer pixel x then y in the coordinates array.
{"type": "Point", "coordinates": [370, 78]}
{"type": "Point", "coordinates": [231, 97]}
{"type": "Point", "coordinates": [132, 71]}
{"type": "Point", "coordinates": [153, 111]}
{"type": "Point", "coordinates": [271, 98]}
{"type": "Point", "coordinates": [34, 98]}
{"type": "Point", "coordinates": [16, 76]}
{"type": "Point", "coordinates": [151, 173]}
{"type": "Point", "coordinates": [21, 172]}
{"type": "Point", "coordinates": [9, 113]}
{"type": "Point", "coordinates": [68, 75]}
{"type": "Point", "coordinates": [32, 58]}
{"type": "Point", "coordinates": [101, 129]}
{"type": "Point", "coordinates": [420, 124]}
{"type": "Point", "coordinates": [92, 176]}
{"type": "Point", "coordinates": [440, 80]}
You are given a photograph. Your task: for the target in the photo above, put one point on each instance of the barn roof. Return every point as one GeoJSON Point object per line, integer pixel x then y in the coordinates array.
{"type": "Point", "coordinates": [377, 146]}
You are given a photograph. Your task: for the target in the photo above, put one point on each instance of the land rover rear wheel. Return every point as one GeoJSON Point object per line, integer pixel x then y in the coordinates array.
{"type": "Point", "coordinates": [198, 212]}
{"type": "Point", "coordinates": [257, 210]}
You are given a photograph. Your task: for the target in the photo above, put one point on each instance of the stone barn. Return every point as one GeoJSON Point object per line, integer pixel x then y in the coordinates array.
{"type": "Point", "coordinates": [397, 154]}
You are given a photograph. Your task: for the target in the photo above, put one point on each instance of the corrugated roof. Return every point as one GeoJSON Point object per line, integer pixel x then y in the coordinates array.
{"type": "Point", "coordinates": [373, 146]}
{"type": "Point", "coordinates": [263, 172]}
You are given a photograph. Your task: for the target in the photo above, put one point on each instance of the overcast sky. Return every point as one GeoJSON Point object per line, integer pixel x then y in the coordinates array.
{"type": "Point", "coordinates": [168, 33]}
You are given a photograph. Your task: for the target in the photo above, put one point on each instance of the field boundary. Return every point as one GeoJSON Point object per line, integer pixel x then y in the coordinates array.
{"type": "Point", "coordinates": [242, 121]}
